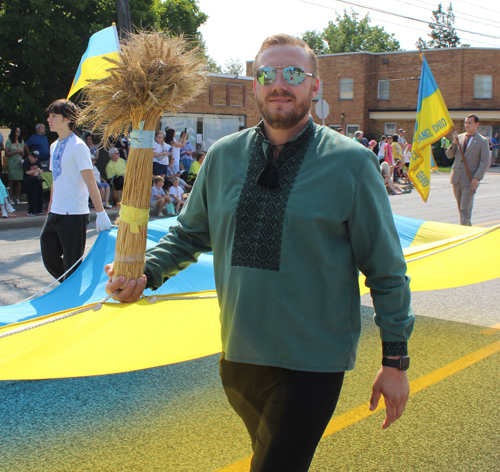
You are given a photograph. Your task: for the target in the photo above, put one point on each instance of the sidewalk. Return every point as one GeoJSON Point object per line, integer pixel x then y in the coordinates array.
{"type": "Point", "coordinates": [20, 219]}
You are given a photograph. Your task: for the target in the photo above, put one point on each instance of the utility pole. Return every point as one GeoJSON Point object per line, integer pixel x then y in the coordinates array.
{"type": "Point", "coordinates": [124, 20]}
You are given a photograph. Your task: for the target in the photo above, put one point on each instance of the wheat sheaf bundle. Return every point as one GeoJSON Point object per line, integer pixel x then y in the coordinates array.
{"type": "Point", "coordinates": [155, 73]}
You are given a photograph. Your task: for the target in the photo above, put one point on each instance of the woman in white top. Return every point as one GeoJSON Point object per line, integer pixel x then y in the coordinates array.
{"type": "Point", "coordinates": [176, 145]}
{"type": "Point", "coordinates": [161, 151]}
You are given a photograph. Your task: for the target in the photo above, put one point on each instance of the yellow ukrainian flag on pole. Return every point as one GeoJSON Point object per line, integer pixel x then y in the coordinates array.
{"type": "Point", "coordinates": [433, 122]}
{"type": "Point", "coordinates": [93, 66]}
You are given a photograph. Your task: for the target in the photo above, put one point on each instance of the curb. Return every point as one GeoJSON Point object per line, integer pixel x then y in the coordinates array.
{"type": "Point", "coordinates": [22, 221]}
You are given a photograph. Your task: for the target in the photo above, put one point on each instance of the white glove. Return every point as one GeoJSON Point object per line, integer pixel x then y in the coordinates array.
{"type": "Point", "coordinates": [102, 222]}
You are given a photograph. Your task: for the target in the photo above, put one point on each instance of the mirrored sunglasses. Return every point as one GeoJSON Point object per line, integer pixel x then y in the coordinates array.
{"type": "Point", "coordinates": [292, 75]}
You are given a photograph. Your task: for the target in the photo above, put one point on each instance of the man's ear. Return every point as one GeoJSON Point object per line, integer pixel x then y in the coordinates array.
{"type": "Point", "coordinates": [254, 90]}
{"type": "Point", "coordinates": [316, 87]}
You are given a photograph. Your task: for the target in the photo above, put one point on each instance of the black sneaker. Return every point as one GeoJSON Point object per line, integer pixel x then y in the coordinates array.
{"type": "Point", "coordinates": [31, 214]}
{"type": "Point", "coordinates": [42, 213]}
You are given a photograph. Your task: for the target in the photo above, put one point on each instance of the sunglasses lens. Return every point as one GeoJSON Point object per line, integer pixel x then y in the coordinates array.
{"type": "Point", "coordinates": [294, 75]}
{"type": "Point", "coordinates": [266, 75]}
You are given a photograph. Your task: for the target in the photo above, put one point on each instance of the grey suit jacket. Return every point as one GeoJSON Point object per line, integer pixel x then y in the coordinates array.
{"type": "Point", "coordinates": [477, 156]}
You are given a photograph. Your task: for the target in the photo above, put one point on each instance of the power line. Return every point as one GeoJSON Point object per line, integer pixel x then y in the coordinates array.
{"type": "Point", "coordinates": [397, 15]}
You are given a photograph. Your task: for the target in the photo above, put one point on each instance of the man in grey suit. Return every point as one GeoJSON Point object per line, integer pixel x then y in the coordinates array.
{"type": "Point", "coordinates": [477, 156]}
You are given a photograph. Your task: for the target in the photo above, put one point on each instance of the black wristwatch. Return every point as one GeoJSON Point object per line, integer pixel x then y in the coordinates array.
{"type": "Point", "coordinates": [402, 364]}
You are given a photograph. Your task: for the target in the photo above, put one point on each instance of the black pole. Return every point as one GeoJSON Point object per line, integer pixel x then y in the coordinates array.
{"type": "Point", "coordinates": [124, 20]}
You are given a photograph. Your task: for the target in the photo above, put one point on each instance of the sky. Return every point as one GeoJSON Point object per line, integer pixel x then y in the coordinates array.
{"type": "Point", "coordinates": [236, 29]}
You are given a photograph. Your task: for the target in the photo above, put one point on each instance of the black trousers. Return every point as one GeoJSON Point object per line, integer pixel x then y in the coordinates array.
{"type": "Point", "coordinates": [63, 242]}
{"type": "Point", "coordinates": [34, 192]}
{"type": "Point", "coordinates": [285, 411]}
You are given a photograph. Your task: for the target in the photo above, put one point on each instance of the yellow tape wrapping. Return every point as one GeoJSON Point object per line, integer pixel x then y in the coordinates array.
{"type": "Point", "coordinates": [135, 217]}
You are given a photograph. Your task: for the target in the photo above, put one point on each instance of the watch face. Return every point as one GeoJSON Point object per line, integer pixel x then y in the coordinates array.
{"type": "Point", "coordinates": [404, 363]}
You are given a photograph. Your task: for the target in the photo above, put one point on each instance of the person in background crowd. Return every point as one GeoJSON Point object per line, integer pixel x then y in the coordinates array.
{"type": "Point", "coordinates": [381, 149]}
{"type": "Point", "coordinates": [388, 151]}
{"type": "Point", "coordinates": [5, 206]}
{"type": "Point", "coordinates": [65, 230]}
{"type": "Point", "coordinates": [176, 193]}
{"type": "Point", "coordinates": [161, 153]}
{"type": "Point", "coordinates": [39, 142]}
{"type": "Point", "coordinates": [102, 185]}
{"type": "Point", "coordinates": [341, 131]}
{"type": "Point", "coordinates": [195, 167]}
{"type": "Point", "coordinates": [397, 150]}
{"type": "Point", "coordinates": [494, 149]}
{"type": "Point", "coordinates": [15, 151]}
{"type": "Point", "coordinates": [115, 172]}
{"type": "Point", "coordinates": [158, 197]}
{"type": "Point", "coordinates": [371, 145]}
{"type": "Point", "coordinates": [177, 146]}
{"type": "Point", "coordinates": [93, 148]}
{"type": "Point", "coordinates": [2, 148]}
{"type": "Point", "coordinates": [358, 136]}
{"type": "Point", "coordinates": [172, 172]}
{"type": "Point", "coordinates": [401, 140]}
{"type": "Point", "coordinates": [407, 157]}
{"type": "Point", "coordinates": [476, 151]}
{"type": "Point", "coordinates": [33, 184]}
{"type": "Point", "coordinates": [284, 354]}
{"type": "Point", "coordinates": [187, 154]}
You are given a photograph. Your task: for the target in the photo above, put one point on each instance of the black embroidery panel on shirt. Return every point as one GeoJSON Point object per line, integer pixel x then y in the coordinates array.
{"type": "Point", "coordinates": [261, 211]}
{"type": "Point", "coordinates": [394, 348]}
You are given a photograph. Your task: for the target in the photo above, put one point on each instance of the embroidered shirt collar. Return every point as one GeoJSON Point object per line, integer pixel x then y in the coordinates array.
{"type": "Point", "coordinates": [261, 132]}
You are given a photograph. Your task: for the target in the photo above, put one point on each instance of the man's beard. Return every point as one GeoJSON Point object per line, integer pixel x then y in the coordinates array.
{"type": "Point", "coordinates": [284, 119]}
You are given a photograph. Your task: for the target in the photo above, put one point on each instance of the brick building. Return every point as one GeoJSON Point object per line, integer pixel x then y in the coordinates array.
{"type": "Point", "coordinates": [373, 92]}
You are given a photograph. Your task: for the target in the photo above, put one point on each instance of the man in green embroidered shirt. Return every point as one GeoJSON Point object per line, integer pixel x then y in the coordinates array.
{"type": "Point", "coordinates": [287, 279]}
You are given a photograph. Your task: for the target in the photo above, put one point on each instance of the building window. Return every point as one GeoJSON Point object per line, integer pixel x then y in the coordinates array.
{"type": "Point", "coordinates": [351, 129]}
{"type": "Point", "coordinates": [483, 86]}
{"type": "Point", "coordinates": [383, 89]}
{"type": "Point", "coordinates": [390, 129]}
{"type": "Point", "coordinates": [346, 89]}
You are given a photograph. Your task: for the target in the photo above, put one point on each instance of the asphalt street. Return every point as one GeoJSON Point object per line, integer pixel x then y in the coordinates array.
{"type": "Point", "coordinates": [176, 418]}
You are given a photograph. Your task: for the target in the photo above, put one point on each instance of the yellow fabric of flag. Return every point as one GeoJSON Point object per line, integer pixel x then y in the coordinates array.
{"type": "Point", "coordinates": [433, 122]}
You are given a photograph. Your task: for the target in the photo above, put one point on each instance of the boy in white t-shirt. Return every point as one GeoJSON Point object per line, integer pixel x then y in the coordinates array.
{"type": "Point", "coordinates": [176, 193]}
{"type": "Point", "coordinates": [65, 230]}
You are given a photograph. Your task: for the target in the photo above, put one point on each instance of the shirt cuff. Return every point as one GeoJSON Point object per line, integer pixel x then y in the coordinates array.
{"type": "Point", "coordinates": [392, 349]}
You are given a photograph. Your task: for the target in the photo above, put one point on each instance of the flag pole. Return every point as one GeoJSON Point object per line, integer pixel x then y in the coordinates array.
{"type": "Point", "coordinates": [463, 160]}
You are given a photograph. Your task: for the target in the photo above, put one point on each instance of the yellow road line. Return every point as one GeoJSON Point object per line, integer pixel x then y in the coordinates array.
{"type": "Point", "coordinates": [361, 412]}
{"type": "Point", "coordinates": [489, 223]}
{"type": "Point", "coordinates": [491, 330]}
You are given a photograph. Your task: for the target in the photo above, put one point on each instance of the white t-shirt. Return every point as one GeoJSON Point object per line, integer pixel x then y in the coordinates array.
{"type": "Point", "coordinates": [97, 174]}
{"type": "Point", "coordinates": [381, 147]}
{"type": "Point", "coordinates": [177, 154]}
{"type": "Point", "coordinates": [161, 148]}
{"type": "Point", "coordinates": [407, 156]}
{"type": "Point", "coordinates": [70, 195]}
{"type": "Point", "coordinates": [176, 192]}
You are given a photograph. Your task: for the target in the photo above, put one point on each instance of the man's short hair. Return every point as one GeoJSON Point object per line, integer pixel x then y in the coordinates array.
{"type": "Point", "coordinates": [199, 154]}
{"type": "Point", "coordinates": [358, 133]}
{"type": "Point", "coordinates": [112, 151]}
{"type": "Point", "coordinates": [473, 115]}
{"type": "Point", "coordinates": [285, 39]}
{"type": "Point", "coordinates": [37, 127]}
{"type": "Point", "coordinates": [65, 108]}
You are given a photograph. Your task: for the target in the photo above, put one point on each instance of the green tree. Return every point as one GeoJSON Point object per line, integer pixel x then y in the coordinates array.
{"type": "Point", "coordinates": [44, 40]}
{"type": "Point", "coordinates": [350, 34]}
{"type": "Point", "coordinates": [443, 34]}
{"type": "Point", "coordinates": [233, 66]}
{"type": "Point", "coordinates": [315, 41]}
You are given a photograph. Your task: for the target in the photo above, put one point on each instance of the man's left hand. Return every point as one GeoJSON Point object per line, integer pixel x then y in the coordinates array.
{"type": "Point", "coordinates": [393, 384]}
{"type": "Point", "coordinates": [474, 184]}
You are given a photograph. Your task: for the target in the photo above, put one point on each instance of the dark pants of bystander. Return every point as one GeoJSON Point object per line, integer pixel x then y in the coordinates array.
{"type": "Point", "coordinates": [63, 242]}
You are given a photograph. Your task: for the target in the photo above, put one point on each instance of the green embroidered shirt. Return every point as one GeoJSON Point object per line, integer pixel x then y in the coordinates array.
{"type": "Point", "coordinates": [286, 259]}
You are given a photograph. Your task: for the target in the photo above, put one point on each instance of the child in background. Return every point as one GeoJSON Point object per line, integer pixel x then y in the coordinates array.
{"type": "Point", "coordinates": [407, 157]}
{"type": "Point", "coordinates": [176, 193]}
{"type": "Point", "coordinates": [102, 185]}
{"type": "Point", "coordinates": [158, 197]}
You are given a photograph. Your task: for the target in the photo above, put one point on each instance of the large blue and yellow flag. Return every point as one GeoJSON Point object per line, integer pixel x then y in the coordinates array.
{"type": "Point", "coordinates": [93, 66]}
{"type": "Point", "coordinates": [433, 122]}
